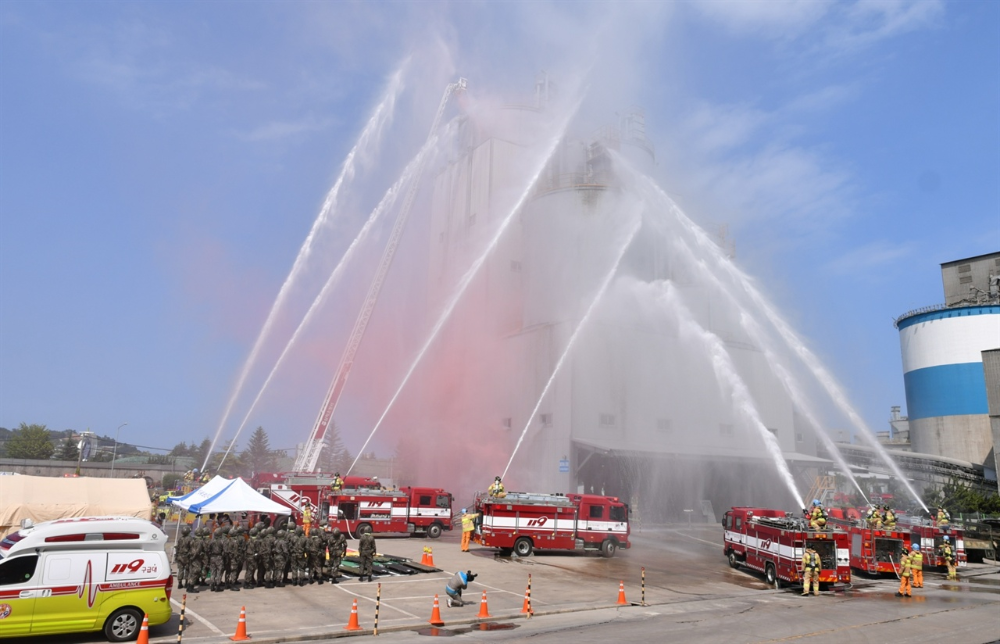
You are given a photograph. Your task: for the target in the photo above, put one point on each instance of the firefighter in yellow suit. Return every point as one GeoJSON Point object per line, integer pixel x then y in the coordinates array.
{"type": "Point", "coordinates": [468, 526]}
{"type": "Point", "coordinates": [810, 571]}
{"type": "Point", "coordinates": [905, 572]}
{"type": "Point", "coordinates": [948, 553]}
{"type": "Point", "coordinates": [496, 489]}
{"type": "Point", "coordinates": [307, 517]}
{"type": "Point", "coordinates": [917, 566]}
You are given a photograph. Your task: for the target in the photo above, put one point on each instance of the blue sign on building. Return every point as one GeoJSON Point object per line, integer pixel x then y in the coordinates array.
{"type": "Point", "coordinates": [563, 465]}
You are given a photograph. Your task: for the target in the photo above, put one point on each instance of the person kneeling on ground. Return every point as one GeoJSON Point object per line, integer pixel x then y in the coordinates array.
{"type": "Point", "coordinates": [456, 585]}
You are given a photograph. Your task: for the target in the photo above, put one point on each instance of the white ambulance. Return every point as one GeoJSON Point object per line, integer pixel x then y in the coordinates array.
{"type": "Point", "coordinates": [84, 574]}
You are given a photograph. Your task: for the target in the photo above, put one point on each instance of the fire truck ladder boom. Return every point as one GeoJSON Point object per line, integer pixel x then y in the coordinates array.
{"type": "Point", "coordinates": [309, 456]}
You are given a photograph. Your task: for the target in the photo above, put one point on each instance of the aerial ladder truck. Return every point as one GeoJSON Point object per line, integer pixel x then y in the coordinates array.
{"type": "Point", "coordinates": [309, 456]}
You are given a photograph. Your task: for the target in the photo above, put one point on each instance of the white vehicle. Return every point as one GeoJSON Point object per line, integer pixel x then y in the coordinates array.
{"type": "Point", "coordinates": [84, 574]}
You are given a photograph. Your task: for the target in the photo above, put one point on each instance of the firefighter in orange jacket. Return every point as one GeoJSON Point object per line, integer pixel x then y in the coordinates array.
{"type": "Point", "coordinates": [905, 572]}
{"type": "Point", "coordinates": [810, 571]}
{"type": "Point", "coordinates": [307, 516]}
{"type": "Point", "coordinates": [917, 566]}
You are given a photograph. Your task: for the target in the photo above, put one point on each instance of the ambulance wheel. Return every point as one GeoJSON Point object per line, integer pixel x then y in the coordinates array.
{"type": "Point", "coordinates": [434, 530]}
{"type": "Point", "coordinates": [364, 528]}
{"type": "Point", "coordinates": [608, 548]}
{"type": "Point", "coordinates": [522, 547]}
{"type": "Point", "coordinates": [733, 561]}
{"type": "Point", "coordinates": [770, 575]}
{"type": "Point", "coordinates": [123, 625]}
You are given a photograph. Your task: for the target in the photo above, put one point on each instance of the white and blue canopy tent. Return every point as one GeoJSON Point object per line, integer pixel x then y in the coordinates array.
{"type": "Point", "coordinates": [225, 495]}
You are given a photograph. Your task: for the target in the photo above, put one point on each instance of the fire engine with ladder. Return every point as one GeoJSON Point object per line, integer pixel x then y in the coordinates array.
{"type": "Point", "coordinates": [772, 542]}
{"type": "Point", "coordinates": [522, 522]}
{"type": "Point", "coordinates": [357, 510]}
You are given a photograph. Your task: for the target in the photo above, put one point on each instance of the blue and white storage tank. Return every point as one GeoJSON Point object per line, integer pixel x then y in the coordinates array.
{"type": "Point", "coordinates": [944, 380]}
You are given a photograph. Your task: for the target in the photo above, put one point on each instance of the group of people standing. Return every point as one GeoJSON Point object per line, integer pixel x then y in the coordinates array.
{"type": "Point", "coordinates": [270, 557]}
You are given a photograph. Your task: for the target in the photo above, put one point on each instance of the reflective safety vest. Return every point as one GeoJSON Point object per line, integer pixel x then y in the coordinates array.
{"type": "Point", "coordinates": [917, 561]}
{"type": "Point", "coordinates": [947, 553]}
{"type": "Point", "coordinates": [811, 560]}
{"type": "Point", "coordinates": [906, 567]}
{"type": "Point", "coordinates": [468, 522]}
{"type": "Point", "coordinates": [307, 515]}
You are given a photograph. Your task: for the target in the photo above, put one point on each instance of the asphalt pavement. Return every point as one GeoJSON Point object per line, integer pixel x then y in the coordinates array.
{"type": "Point", "coordinates": [690, 592]}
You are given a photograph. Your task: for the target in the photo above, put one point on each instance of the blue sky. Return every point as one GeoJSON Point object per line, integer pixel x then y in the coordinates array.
{"type": "Point", "coordinates": [161, 164]}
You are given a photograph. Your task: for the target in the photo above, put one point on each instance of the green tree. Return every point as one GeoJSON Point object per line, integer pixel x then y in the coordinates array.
{"type": "Point", "coordinates": [30, 442]}
{"type": "Point", "coordinates": [334, 457]}
{"type": "Point", "coordinates": [202, 452]}
{"type": "Point", "coordinates": [258, 456]}
{"type": "Point", "coordinates": [69, 450]}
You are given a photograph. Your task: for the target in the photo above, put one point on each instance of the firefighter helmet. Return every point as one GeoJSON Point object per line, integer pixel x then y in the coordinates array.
{"type": "Point", "coordinates": [946, 538]}
{"type": "Point", "coordinates": [815, 501]}
{"type": "Point", "coordinates": [916, 547]}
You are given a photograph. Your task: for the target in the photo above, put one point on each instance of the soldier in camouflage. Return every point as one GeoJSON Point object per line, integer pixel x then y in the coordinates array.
{"type": "Point", "coordinates": [297, 547]}
{"type": "Point", "coordinates": [315, 551]}
{"type": "Point", "coordinates": [236, 549]}
{"type": "Point", "coordinates": [265, 558]}
{"type": "Point", "coordinates": [250, 560]}
{"type": "Point", "coordinates": [216, 559]}
{"type": "Point", "coordinates": [281, 552]}
{"type": "Point", "coordinates": [183, 556]}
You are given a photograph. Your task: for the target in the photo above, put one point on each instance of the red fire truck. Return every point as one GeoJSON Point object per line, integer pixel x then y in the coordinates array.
{"type": "Point", "coordinates": [931, 536]}
{"type": "Point", "coordinates": [873, 551]}
{"type": "Point", "coordinates": [773, 542]}
{"type": "Point", "coordinates": [410, 510]}
{"type": "Point", "coordinates": [522, 522]}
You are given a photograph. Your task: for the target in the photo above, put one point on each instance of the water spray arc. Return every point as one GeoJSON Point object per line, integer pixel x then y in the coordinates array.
{"type": "Point", "coordinates": [726, 374]}
{"type": "Point", "coordinates": [388, 200]}
{"type": "Point", "coordinates": [623, 247]}
{"type": "Point", "coordinates": [370, 134]}
{"type": "Point", "coordinates": [473, 270]}
{"type": "Point", "coordinates": [306, 462]}
{"type": "Point", "coordinates": [808, 358]}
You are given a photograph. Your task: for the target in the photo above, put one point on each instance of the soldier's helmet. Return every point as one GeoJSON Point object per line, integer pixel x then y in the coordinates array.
{"type": "Point", "coordinates": [281, 534]}
{"type": "Point", "coordinates": [186, 530]}
{"type": "Point", "coordinates": [225, 530]}
{"type": "Point", "coordinates": [253, 533]}
{"type": "Point", "coordinates": [218, 534]}
{"type": "Point", "coordinates": [336, 532]}
{"type": "Point", "coordinates": [259, 525]}
{"type": "Point", "coordinates": [269, 532]}
{"type": "Point", "coordinates": [299, 531]}
{"type": "Point", "coordinates": [323, 524]}
{"type": "Point", "coordinates": [238, 531]}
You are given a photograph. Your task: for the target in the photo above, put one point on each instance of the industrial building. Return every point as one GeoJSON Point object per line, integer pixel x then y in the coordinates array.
{"type": "Point", "coordinates": [942, 350]}
{"type": "Point", "coordinates": [634, 410]}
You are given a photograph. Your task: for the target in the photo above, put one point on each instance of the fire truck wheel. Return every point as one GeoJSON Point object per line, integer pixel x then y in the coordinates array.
{"type": "Point", "coordinates": [123, 625]}
{"type": "Point", "coordinates": [608, 548]}
{"type": "Point", "coordinates": [733, 561]}
{"type": "Point", "coordinates": [770, 575]}
{"type": "Point", "coordinates": [434, 530]}
{"type": "Point", "coordinates": [364, 528]}
{"type": "Point", "coordinates": [522, 547]}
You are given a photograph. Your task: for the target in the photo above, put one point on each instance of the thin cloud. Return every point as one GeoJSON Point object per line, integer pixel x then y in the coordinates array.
{"type": "Point", "coordinates": [279, 130]}
{"type": "Point", "coordinates": [864, 258]}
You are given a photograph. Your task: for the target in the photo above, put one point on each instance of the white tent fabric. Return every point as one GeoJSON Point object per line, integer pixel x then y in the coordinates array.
{"type": "Point", "coordinates": [227, 495]}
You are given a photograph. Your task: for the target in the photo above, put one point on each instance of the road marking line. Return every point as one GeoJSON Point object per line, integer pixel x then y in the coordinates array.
{"type": "Point", "coordinates": [198, 617]}
{"type": "Point", "coordinates": [382, 603]}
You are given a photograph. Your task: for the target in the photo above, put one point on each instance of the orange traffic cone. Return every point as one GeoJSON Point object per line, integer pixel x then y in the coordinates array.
{"type": "Point", "coordinates": [423, 559]}
{"type": "Point", "coordinates": [144, 631]}
{"type": "Point", "coordinates": [352, 624]}
{"type": "Point", "coordinates": [430, 557]}
{"type": "Point", "coordinates": [484, 609]}
{"type": "Point", "coordinates": [621, 593]}
{"type": "Point", "coordinates": [526, 607]}
{"type": "Point", "coordinates": [241, 627]}
{"type": "Point", "coordinates": [435, 619]}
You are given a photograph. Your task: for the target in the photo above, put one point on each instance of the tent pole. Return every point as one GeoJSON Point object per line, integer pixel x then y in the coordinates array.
{"type": "Point", "coordinates": [177, 532]}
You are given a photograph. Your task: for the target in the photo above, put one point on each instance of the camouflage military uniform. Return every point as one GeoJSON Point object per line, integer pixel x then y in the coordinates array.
{"type": "Point", "coordinates": [337, 551]}
{"type": "Point", "coordinates": [315, 550]}
{"type": "Point", "coordinates": [183, 556]}
{"type": "Point", "coordinates": [265, 558]}
{"type": "Point", "coordinates": [236, 549]}
{"type": "Point", "coordinates": [366, 551]}
{"type": "Point", "coordinates": [250, 560]}
{"type": "Point", "coordinates": [199, 558]}
{"type": "Point", "coordinates": [281, 553]}
{"type": "Point", "coordinates": [297, 548]}
{"type": "Point", "coordinates": [216, 559]}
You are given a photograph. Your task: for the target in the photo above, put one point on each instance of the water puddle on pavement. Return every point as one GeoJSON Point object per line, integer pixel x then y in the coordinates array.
{"type": "Point", "coordinates": [449, 632]}
{"type": "Point", "coordinates": [988, 582]}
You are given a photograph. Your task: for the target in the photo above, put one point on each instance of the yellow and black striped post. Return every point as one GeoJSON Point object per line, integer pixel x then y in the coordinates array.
{"type": "Point", "coordinates": [378, 602]}
{"type": "Point", "coordinates": [180, 624]}
{"type": "Point", "coordinates": [643, 603]}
